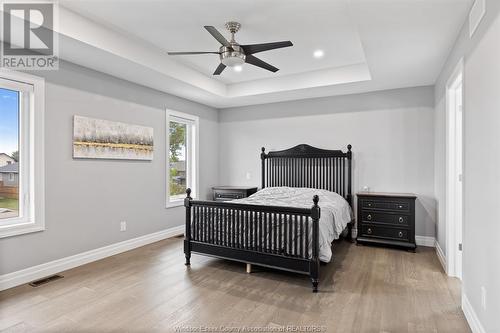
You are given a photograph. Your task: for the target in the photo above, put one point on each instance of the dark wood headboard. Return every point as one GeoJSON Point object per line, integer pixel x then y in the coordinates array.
{"type": "Point", "coordinates": [307, 166]}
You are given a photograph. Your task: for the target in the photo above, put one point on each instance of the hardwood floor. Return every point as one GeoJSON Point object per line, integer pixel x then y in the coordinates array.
{"type": "Point", "coordinates": [365, 289]}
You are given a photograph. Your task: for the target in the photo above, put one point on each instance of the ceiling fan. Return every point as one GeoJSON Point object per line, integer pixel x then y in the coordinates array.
{"type": "Point", "coordinates": [233, 54]}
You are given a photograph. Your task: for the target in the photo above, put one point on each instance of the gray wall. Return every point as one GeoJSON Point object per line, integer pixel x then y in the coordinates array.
{"type": "Point", "coordinates": [392, 133]}
{"type": "Point", "coordinates": [481, 255]}
{"type": "Point", "coordinates": [87, 199]}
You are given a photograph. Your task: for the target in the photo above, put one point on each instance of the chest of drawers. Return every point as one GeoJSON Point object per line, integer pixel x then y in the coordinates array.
{"type": "Point", "coordinates": [387, 219]}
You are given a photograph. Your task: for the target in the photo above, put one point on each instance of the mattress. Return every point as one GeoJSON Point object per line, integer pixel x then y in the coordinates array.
{"type": "Point", "coordinates": [335, 211]}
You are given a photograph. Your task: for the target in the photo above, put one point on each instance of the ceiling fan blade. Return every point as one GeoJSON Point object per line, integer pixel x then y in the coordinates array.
{"type": "Point", "coordinates": [188, 53]}
{"type": "Point", "coordinates": [217, 35]}
{"type": "Point", "coordinates": [259, 63]}
{"type": "Point", "coordinates": [219, 69]}
{"type": "Point", "coordinates": [255, 48]}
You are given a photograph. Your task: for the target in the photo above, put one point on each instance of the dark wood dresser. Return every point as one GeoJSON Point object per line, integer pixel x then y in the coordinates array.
{"type": "Point", "coordinates": [227, 193]}
{"type": "Point", "coordinates": [387, 219]}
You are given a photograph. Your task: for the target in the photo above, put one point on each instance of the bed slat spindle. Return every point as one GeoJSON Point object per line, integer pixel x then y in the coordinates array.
{"type": "Point", "coordinates": [295, 235]}
{"type": "Point", "coordinates": [261, 232]}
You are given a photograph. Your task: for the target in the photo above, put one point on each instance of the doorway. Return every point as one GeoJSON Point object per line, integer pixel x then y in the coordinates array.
{"type": "Point", "coordinates": [454, 172]}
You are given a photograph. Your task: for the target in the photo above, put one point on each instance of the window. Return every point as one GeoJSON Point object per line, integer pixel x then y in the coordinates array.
{"type": "Point", "coordinates": [182, 143]}
{"type": "Point", "coordinates": [21, 145]}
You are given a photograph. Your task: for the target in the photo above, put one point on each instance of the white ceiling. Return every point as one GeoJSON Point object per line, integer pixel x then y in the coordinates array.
{"type": "Point", "coordinates": [368, 44]}
{"type": "Point", "coordinates": [178, 26]}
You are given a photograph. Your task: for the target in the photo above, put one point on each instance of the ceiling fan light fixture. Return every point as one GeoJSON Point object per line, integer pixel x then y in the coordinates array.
{"type": "Point", "coordinates": [233, 61]}
{"type": "Point", "coordinates": [232, 56]}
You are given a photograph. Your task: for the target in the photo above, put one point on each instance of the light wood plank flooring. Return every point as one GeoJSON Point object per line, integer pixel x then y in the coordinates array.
{"type": "Point", "coordinates": [365, 289]}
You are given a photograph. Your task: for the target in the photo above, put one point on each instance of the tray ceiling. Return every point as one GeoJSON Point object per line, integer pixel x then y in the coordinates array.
{"type": "Point", "coordinates": [367, 45]}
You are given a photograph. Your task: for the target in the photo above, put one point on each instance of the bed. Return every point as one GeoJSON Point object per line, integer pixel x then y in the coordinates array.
{"type": "Point", "coordinates": [277, 227]}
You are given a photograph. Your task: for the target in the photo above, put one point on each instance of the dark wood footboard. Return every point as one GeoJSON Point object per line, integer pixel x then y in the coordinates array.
{"type": "Point", "coordinates": [285, 238]}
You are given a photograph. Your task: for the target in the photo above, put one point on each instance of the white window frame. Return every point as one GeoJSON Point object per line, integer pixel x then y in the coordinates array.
{"type": "Point", "coordinates": [31, 149]}
{"type": "Point", "coordinates": [192, 160]}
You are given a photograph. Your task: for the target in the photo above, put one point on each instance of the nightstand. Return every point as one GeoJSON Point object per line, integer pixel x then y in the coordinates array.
{"type": "Point", "coordinates": [387, 219]}
{"type": "Point", "coordinates": [228, 193]}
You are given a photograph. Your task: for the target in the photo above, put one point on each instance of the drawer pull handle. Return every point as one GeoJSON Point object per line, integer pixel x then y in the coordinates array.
{"type": "Point", "coordinates": [401, 220]}
{"type": "Point", "coordinates": [400, 234]}
{"type": "Point", "coordinates": [369, 217]}
{"type": "Point", "coordinates": [369, 231]}
{"type": "Point", "coordinates": [400, 206]}
{"type": "Point", "coordinates": [369, 204]}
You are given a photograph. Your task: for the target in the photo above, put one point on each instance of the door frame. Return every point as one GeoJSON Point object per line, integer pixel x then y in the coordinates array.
{"type": "Point", "coordinates": [453, 231]}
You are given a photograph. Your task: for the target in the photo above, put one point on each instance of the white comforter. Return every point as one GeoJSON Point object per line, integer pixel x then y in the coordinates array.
{"type": "Point", "coordinates": [335, 210]}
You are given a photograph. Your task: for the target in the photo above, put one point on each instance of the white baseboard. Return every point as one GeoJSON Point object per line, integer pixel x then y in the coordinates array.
{"type": "Point", "coordinates": [425, 241]}
{"type": "Point", "coordinates": [39, 271]}
{"type": "Point", "coordinates": [471, 316]}
{"type": "Point", "coordinates": [441, 256]}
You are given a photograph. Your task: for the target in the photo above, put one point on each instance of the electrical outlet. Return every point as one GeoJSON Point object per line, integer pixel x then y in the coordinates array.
{"type": "Point", "coordinates": [123, 226]}
{"type": "Point", "coordinates": [248, 176]}
{"type": "Point", "coordinates": [483, 297]}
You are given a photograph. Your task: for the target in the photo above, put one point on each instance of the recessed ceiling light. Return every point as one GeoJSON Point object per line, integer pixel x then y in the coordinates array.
{"type": "Point", "coordinates": [238, 68]}
{"type": "Point", "coordinates": [318, 54]}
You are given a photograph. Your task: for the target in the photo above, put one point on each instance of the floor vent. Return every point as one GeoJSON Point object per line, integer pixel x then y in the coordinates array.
{"type": "Point", "coordinates": [46, 280]}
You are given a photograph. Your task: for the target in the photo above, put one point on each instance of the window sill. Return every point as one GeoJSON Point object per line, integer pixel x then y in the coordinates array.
{"type": "Point", "coordinates": [176, 203]}
{"type": "Point", "coordinates": [19, 229]}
